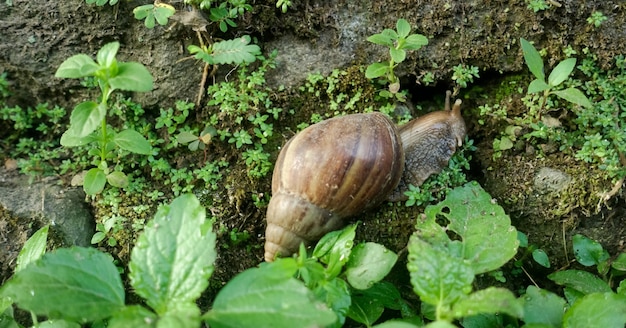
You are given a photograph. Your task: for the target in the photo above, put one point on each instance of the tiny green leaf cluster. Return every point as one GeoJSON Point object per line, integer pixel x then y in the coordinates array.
{"type": "Point", "coordinates": [158, 12]}
{"type": "Point", "coordinates": [236, 51]}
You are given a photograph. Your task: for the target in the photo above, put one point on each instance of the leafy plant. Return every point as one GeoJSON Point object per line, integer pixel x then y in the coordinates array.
{"type": "Point", "coordinates": [283, 5]}
{"type": "Point", "coordinates": [158, 12]}
{"type": "Point", "coordinates": [559, 74]}
{"type": "Point", "coordinates": [537, 5]}
{"type": "Point", "coordinates": [88, 121]}
{"type": "Point", "coordinates": [235, 51]}
{"type": "Point", "coordinates": [596, 18]}
{"type": "Point", "coordinates": [102, 2]}
{"type": "Point", "coordinates": [463, 74]}
{"type": "Point", "coordinates": [399, 42]}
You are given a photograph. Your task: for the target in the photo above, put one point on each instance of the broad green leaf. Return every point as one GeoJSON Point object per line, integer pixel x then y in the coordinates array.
{"type": "Point", "coordinates": [369, 263]}
{"type": "Point", "coordinates": [472, 215]}
{"type": "Point", "coordinates": [621, 289]}
{"type": "Point", "coordinates": [490, 300]}
{"type": "Point", "coordinates": [132, 76]}
{"type": "Point", "coordinates": [77, 66]}
{"type": "Point", "coordinates": [381, 39]}
{"type": "Point", "coordinates": [335, 294]}
{"type": "Point", "coordinates": [543, 307]}
{"type": "Point", "coordinates": [484, 320]}
{"type": "Point", "coordinates": [133, 141]}
{"type": "Point", "coordinates": [186, 137]}
{"type": "Point", "coordinates": [606, 310]}
{"type": "Point", "coordinates": [537, 86]}
{"type": "Point", "coordinates": [414, 42]}
{"type": "Point", "coordinates": [588, 252]}
{"type": "Point", "coordinates": [106, 54]}
{"type": "Point", "coordinates": [440, 324]}
{"type": "Point", "coordinates": [619, 263]}
{"type": "Point", "coordinates": [162, 12]}
{"type": "Point", "coordinates": [235, 51]}
{"type": "Point", "coordinates": [135, 316]}
{"type": "Point", "coordinates": [504, 143]}
{"type": "Point", "coordinates": [117, 179]}
{"type": "Point", "coordinates": [403, 28]}
{"type": "Point", "coordinates": [561, 72]}
{"type": "Point", "coordinates": [265, 298]}
{"type": "Point", "coordinates": [376, 70]}
{"type": "Point", "coordinates": [395, 324]}
{"type": "Point", "coordinates": [574, 96]}
{"type": "Point", "coordinates": [437, 278]}
{"type": "Point", "coordinates": [364, 310]}
{"type": "Point", "coordinates": [86, 118]}
{"type": "Point", "coordinates": [368, 305]}
{"type": "Point", "coordinates": [581, 281]}
{"type": "Point", "coordinates": [94, 181]}
{"type": "Point", "coordinates": [33, 249]}
{"type": "Point", "coordinates": [334, 249]}
{"type": "Point", "coordinates": [77, 284]}
{"type": "Point", "coordinates": [397, 55]}
{"type": "Point", "coordinates": [541, 257]}
{"type": "Point", "coordinates": [533, 59]}
{"type": "Point", "coordinates": [173, 259]}
{"type": "Point", "coordinates": [70, 139]}
{"type": "Point", "coordinates": [58, 324]}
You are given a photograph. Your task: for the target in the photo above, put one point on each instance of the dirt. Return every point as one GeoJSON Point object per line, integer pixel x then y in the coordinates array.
{"type": "Point", "coordinates": [37, 36]}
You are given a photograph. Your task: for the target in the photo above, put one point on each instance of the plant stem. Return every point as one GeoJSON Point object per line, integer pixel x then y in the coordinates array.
{"type": "Point", "coordinates": [103, 125]}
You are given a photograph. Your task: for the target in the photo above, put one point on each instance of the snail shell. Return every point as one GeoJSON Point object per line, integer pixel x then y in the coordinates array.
{"type": "Point", "coordinates": [339, 167]}
{"type": "Point", "coordinates": [328, 172]}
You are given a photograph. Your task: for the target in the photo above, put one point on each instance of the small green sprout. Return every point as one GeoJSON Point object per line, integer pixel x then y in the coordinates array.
{"type": "Point", "coordinates": [283, 5]}
{"type": "Point", "coordinates": [464, 74]}
{"type": "Point", "coordinates": [596, 18]}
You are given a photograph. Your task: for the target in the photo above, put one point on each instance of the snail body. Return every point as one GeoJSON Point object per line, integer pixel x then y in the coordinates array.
{"type": "Point", "coordinates": [339, 167]}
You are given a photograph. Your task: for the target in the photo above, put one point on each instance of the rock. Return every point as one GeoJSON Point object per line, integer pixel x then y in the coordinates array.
{"type": "Point", "coordinates": [549, 180]}
{"type": "Point", "coordinates": [47, 202]}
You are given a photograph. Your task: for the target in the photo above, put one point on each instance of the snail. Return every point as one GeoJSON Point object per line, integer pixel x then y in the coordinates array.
{"type": "Point", "coordinates": [339, 167]}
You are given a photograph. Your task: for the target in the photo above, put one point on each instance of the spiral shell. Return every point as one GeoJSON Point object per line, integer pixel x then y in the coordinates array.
{"type": "Point", "coordinates": [328, 172]}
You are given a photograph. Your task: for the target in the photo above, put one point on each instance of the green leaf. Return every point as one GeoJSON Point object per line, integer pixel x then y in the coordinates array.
{"type": "Point", "coordinates": [397, 55]}
{"type": "Point", "coordinates": [336, 294]}
{"type": "Point", "coordinates": [620, 262]}
{"type": "Point", "coordinates": [606, 310]}
{"type": "Point", "coordinates": [132, 76]}
{"type": "Point", "coordinates": [533, 59]}
{"type": "Point", "coordinates": [94, 181]}
{"type": "Point", "coordinates": [472, 215]}
{"type": "Point", "coordinates": [159, 12]}
{"type": "Point", "coordinates": [334, 249]}
{"type": "Point", "coordinates": [581, 281]}
{"type": "Point", "coordinates": [117, 179]}
{"type": "Point", "coordinates": [588, 252]}
{"type": "Point", "coordinates": [403, 27]}
{"type": "Point", "coordinates": [561, 72]}
{"type": "Point", "coordinates": [396, 324]}
{"type": "Point", "coordinates": [77, 66]}
{"type": "Point", "coordinates": [376, 70]}
{"type": "Point", "coordinates": [173, 259]}
{"type": "Point", "coordinates": [369, 263]}
{"type": "Point", "coordinates": [70, 139]}
{"type": "Point", "coordinates": [162, 12]}
{"type": "Point", "coordinates": [86, 118]}
{"type": "Point", "coordinates": [414, 42]}
{"type": "Point", "coordinates": [537, 86]}
{"type": "Point", "coordinates": [365, 310]}
{"type": "Point", "coordinates": [33, 249]}
{"type": "Point", "coordinates": [235, 51]}
{"type": "Point", "coordinates": [186, 137]}
{"type": "Point", "coordinates": [574, 96]}
{"type": "Point", "coordinates": [133, 141]}
{"type": "Point", "coordinates": [541, 257]}
{"type": "Point", "coordinates": [106, 54]}
{"type": "Point", "coordinates": [75, 284]}
{"type": "Point", "coordinates": [437, 278]}
{"type": "Point", "coordinates": [266, 297]}
{"type": "Point", "coordinates": [381, 39]}
{"type": "Point", "coordinates": [135, 316]}
{"type": "Point", "coordinates": [490, 300]}
{"type": "Point", "coordinates": [543, 307]}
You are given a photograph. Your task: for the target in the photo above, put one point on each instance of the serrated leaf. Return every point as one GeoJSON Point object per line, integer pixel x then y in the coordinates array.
{"type": "Point", "coordinates": [397, 55]}
{"type": "Point", "coordinates": [574, 96]}
{"type": "Point", "coordinates": [117, 179]}
{"type": "Point", "coordinates": [537, 86]}
{"type": "Point", "coordinates": [543, 307]}
{"type": "Point", "coordinates": [132, 76]}
{"type": "Point", "coordinates": [414, 42]}
{"type": "Point", "coordinates": [33, 248]}
{"type": "Point", "coordinates": [606, 310]}
{"type": "Point", "coordinates": [403, 28]}
{"type": "Point", "coordinates": [235, 51]}
{"type": "Point", "coordinates": [561, 72]}
{"type": "Point", "coordinates": [86, 118]}
{"type": "Point", "coordinates": [76, 284]}
{"type": "Point", "coordinates": [533, 59]}
{"type": "Point", "coordinates": [94, 181]}
{"type": "Point", "coordinates": [437, 278]}
{"type": "Point", "coordinates": [581, 281]}
{"type": "Point", "coordinates": [490, 300]}
{"type": "Point", "coordinates": [133, 141]}
{"type": "Point", "coordinates": [369, 263]}
{"type": "Point", "coordinates": [173, 259]}
{"type": "Point", "coordinates": [540, 256]}
{"type": "Point", "coordinates": [376, 70]}
{"type": "Point", "coordinates": [106, 54]}
{"type": "Point", "coordinates": [472, 215]}
{"type": "Point", "coordinates": [77, 66]}
{"type": "Point", "coordinates": [266, 298]}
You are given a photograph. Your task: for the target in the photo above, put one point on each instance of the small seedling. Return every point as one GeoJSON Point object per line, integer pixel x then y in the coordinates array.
{"type": "Point", "coordinates": [283, 5]}
{"type": "Point", "coordinates": [464, 74]}
{"type": "Point", "coordinates": [88, 121]}
{"type": "Point", "coordinates": [399, 42]}
{"type": "Point", "coordinates": [201, 141]}
{"type": "Point", "coordinates": [596, 18]}
{"type": "Point", "coordinates": [158, 12]}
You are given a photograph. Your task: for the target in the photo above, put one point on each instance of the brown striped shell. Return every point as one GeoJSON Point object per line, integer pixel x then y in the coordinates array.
{"type": "Point", "coordinates": [328, 172]}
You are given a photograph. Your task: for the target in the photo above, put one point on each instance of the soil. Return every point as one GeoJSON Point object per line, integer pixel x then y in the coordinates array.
{"type": "Point", "coordinates": [319, 36]}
